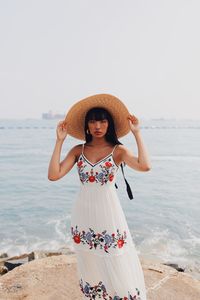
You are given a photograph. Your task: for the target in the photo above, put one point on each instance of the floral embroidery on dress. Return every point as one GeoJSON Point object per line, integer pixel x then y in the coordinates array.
{"type": "Point", "coordinates": [103, 240]}
{"type": "Point", "coordinates": [106, 173]}
{"type": "Point", "coordinates": [99, 290]}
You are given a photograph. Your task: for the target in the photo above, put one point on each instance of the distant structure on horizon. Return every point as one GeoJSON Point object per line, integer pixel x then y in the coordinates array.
{"type": "Point", "coordinates": [50, 115]}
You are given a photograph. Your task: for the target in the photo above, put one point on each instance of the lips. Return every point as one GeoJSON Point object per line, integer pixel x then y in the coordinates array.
{"type": "Point", "coordinates": [97, 132]}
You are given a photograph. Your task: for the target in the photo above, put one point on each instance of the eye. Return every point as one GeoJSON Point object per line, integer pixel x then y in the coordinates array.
{"type": "Point", "coordinates": [104, 121]}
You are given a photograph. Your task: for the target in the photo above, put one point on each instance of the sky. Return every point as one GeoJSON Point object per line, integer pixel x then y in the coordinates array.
{"type": "Point", "coordinates": [54, 53]}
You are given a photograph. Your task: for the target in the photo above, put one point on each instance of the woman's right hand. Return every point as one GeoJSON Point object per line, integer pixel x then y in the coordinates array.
{"type": "Point", "coordinates": [61, 130]}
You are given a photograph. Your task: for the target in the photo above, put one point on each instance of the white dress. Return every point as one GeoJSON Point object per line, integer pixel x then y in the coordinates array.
{"type": "Point", "coordinates": [107, 261]}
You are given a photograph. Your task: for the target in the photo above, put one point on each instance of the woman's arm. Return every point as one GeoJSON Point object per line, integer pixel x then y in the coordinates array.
{"type": "Point", "coordinates": [56, 169]}
{"type": "Point", "coordinates": [142, 162]}
{"type": "Point", "coordinates": [54, 165]}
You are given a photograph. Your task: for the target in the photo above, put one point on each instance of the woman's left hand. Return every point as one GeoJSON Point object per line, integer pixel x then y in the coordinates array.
{"type": "Point", "coordinates": [134, 123]}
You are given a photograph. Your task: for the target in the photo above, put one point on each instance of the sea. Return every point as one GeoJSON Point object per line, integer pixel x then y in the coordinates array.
{"type": "Point", "coordinates": [163, 217]}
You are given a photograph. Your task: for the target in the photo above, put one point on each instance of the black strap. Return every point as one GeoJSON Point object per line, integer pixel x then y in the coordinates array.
{"type": "Point", "coordinates": [128, 188]}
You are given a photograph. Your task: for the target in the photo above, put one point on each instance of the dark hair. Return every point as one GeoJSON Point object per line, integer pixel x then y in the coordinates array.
{"type": "Point", "coordinates": [100, 113]}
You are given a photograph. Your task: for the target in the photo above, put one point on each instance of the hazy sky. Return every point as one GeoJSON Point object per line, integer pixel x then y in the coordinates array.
{"type": "Point", "coordinates": [53, 53]}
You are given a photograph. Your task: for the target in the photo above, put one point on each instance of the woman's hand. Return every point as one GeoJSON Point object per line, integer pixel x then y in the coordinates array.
{"type": "Point", "coordinates": [61, 130]}
{"type": "Point", "coordinates": [134, 123]}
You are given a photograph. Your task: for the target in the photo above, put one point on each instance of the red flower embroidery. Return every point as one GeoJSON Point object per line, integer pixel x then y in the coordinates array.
{"type": "Point", "coordinates": [111, 176]}
{"type": "Point", "coordinates": [108, 164]}
{"type": "Point", "coordinates": [120, 243]}
{"type": "Point", "coordinates": [102, 240]}
{"type": "Point", "coordinates": [99, 290]}
{"type": "Point", "coordinates": [106, 173]}
{"type": "Point", "coordinates": [79, 164]}
{"type": "Point", "coordinates": [92, 178]}
{"type": "Point", "coordinates": [77, 239]}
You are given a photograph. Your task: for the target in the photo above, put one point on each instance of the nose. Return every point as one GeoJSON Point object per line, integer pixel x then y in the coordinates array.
{"type": "Point", "coordinates": [97, 124]}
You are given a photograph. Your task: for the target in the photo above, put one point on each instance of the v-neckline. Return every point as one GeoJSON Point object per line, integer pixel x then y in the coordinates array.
{"type": "Point", "coordinates": [97, 161]}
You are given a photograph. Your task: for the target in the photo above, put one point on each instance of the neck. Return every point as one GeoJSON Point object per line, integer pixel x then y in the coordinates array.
{"type": "Point", "coordinates": [98, 141]}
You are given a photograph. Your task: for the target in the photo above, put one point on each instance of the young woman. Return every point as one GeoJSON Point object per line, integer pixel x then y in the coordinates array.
{"type": "Point", "coordinates": [108, 265]}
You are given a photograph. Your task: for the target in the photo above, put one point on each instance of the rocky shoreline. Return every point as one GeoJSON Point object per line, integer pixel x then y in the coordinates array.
{"type": "Point", "coordinates": [52, 275]}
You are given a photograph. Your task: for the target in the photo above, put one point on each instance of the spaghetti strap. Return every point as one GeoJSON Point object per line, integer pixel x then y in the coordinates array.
{"type": "Point", "coordinates": [114, 148]}
{"type": "Point", "coordinates": [82, 148]}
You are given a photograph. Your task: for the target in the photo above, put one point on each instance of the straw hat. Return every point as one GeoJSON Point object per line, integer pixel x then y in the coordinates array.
{"type": "Point", "coordinates": [76, 114]}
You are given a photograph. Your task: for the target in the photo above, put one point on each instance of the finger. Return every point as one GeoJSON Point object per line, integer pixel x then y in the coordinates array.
{"type": "Point", "coordinates": [133, 116]}
{"type": "Point", "coordinates": [135, 120]}
{"type": "Point", "coordinates": [132, 119]}
{"type": "Point", "coordinates": [63, 122]}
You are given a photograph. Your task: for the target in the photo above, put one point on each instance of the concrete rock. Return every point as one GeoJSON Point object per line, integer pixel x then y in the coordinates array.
{"type": "Point", "coordinates": [56, 277]}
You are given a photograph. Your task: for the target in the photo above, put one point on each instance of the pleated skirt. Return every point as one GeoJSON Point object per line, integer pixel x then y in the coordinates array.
{"type": "Point", "coordinates": [107, 261]}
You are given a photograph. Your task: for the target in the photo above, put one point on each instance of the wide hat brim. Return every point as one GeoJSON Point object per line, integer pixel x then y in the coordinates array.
{"type": "Point", "coordinates": [75, 117]}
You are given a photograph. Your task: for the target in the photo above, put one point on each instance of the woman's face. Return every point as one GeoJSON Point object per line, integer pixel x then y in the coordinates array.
{"type": "Point", "coordinates": [98, 128]}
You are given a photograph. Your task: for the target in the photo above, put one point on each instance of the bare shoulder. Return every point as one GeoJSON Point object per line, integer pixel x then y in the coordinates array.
{"type": "Point", "coordinates": [121, 149]}
{"type": "Point", "coordinates": [76, 150]}
{"type": "Point", "coordinates": [124, 152]}
{"type": "Point", "coordinates": [119, 153]}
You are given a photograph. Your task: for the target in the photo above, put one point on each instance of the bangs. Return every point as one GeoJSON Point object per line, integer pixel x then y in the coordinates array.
{"type": "Point", "coordinates": [97, 114]}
